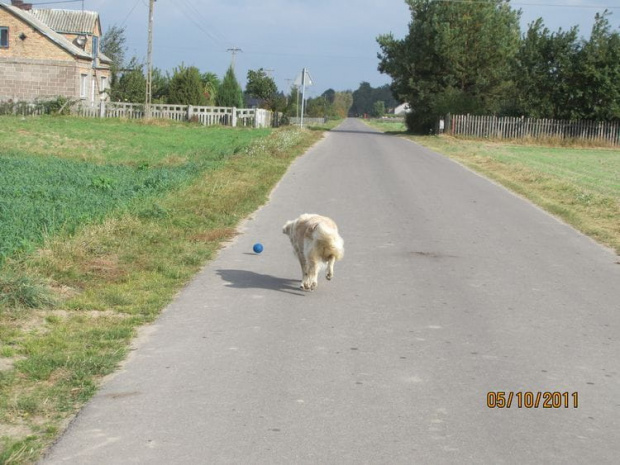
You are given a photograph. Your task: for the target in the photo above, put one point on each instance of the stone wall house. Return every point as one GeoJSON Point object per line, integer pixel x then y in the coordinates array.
{"type": "Point", "coordinates": [49, 53]}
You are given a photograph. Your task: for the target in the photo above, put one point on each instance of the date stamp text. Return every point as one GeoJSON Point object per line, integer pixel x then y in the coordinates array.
{"type": "Point", "coordinates": [530, 399]}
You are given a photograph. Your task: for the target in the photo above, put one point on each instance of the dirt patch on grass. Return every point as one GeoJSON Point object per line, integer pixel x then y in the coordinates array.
{"type": "Point", "coordinates": [105, 267]}
{"type": "Point", "coordinates": [215, 235]}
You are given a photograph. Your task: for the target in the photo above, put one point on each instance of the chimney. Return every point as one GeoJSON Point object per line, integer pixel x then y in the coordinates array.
{"type": "Point", "coordinates": [20, 4]}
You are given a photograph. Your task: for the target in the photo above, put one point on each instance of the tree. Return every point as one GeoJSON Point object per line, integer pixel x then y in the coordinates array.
{"type": "Point", "coordinates": [543, 72]}
{"type": "Point", "coordinates": [317, 107]}
{"type": "Point", "coordinates": [160, 86]}
{"type": "Point", "coordinates": [378, 109]}
{"type": "Point", "coordinates": [230, 94]}
{"type": "Point", "coordinates": [362, 100]}
{"type": "Point", "coordinates": [293, 106]}
{"type": "Point", "coordinates": [210, 83]}
{"type": "Point", "coordinates": [597, 73]}
{"type": "Point", "coordinates": [186, 87]}
{"type": "Point", "coordinates": [342, 104]}
{"type": "Point", "coordinates": [456, 57]}
{"type": "Point", "coordinates": [113, 46]}
{"type": "Point", "coordinates": [330, 95]}
{"type": "Point", "coordinates": [131, 85]}
{"type": "Point", "coordinates": [365, 98]}
{"type": "Point", "coordinates": [262, 87]}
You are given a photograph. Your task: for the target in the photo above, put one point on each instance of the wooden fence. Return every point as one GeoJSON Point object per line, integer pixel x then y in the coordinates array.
{"type": "Point", "coordinates": [521, 128]}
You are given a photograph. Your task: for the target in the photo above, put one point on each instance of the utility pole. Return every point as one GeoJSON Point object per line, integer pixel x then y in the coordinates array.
{"type": "Point", "coordinates": [234, 51]}
{"type": "Point", "coordinates": [149, 64]}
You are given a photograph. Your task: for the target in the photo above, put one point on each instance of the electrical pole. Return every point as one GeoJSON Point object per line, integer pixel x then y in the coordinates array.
{"type": "Point", "coordinates": [149, 64]}
{"type": "Point", "coordinates": [234, 51]}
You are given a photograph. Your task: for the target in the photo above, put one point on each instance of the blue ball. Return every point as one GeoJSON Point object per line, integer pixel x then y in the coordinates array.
{"type": "Point", "coordinates": [258, 247]}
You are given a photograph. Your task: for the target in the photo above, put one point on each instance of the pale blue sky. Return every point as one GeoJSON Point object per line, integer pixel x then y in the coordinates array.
{"type": "Point", "coordinates": [334, 39]}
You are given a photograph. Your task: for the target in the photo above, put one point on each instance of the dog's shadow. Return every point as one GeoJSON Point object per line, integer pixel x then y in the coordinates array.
{"type": "Point", "coordinates": [243, 279]}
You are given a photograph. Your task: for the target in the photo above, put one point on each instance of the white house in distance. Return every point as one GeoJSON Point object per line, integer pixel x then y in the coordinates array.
{"type": "Point", "coordinates": [402, 109]}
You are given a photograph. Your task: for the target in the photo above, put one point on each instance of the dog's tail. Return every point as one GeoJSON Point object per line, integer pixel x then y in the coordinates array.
{"type": "Point", "coordinates": [331, 243]}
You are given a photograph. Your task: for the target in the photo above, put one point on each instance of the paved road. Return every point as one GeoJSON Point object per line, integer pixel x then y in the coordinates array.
{"type": "Point", "coordinates": [451, 287]}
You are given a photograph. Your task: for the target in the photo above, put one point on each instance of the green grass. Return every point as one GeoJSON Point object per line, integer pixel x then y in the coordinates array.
{"type": "Point", "coordinates": [41, 196]}
{"type": "Point", "coordinates": [76, 295]}
{"type": "Point", "coordinates": [116, 141]}
{"type": "Point", "coordinates": [580, 185]}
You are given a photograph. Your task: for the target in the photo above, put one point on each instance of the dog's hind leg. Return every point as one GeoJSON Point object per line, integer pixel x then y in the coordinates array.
{"type": "Point", "coordinates": [330, 267]}
{"type": "Point", "coordinates": [305, 284]}
{"type": "Point", "coordinates": [313, 275]}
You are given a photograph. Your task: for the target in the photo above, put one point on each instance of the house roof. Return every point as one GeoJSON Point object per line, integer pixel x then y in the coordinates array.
{"type": "Point", "coordinates": [54, 36]}
{"type": "Point", "coordinates": [68, 21]}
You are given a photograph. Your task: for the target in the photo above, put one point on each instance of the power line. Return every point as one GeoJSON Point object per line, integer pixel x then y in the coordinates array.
{"type": "Point", "coordinates": [195, 17]}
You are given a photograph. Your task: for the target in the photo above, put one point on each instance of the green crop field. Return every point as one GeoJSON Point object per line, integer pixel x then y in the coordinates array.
{"type": "Point", "coordinates": [59, 173]}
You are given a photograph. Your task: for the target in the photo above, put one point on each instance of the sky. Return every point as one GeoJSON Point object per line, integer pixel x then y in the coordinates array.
{"type": "Point", "coordinates": [334, 39]}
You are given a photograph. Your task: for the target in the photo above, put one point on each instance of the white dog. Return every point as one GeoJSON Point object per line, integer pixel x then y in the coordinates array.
{"type": "Point", "coordinates": [316, 242]}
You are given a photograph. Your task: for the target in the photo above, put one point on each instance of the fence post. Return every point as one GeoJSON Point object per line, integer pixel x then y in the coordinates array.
{"type": "Point", "coordinates": [234, 117]}
{"type": "Point", "coordinates": [190, 112]}
{"type": "Point", "coordinates": [101, 108]}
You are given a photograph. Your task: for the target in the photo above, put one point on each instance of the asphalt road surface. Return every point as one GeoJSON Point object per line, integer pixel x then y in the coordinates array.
{"type": "Point", "coordinates": [451, 288]}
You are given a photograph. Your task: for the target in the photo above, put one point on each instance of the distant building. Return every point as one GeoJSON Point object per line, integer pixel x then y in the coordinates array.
{"type": "Point", "coordinates": [51, 53]}
{"type": "Point", "coordinates": [402, 110]}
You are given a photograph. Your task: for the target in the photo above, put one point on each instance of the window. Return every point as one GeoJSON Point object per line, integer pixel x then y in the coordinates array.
{"type": "Point", "coordinates": [95, 50]}
{"type": "Point", "coordinates": [4, 37]}
{"type": "Point", "coordinates": [104, 83]}
{"type": "Point", "coordinates": [83, 85]}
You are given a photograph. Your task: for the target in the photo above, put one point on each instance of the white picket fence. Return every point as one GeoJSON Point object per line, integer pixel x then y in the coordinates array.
{"type": "Point", "coordinates": [208, 116]}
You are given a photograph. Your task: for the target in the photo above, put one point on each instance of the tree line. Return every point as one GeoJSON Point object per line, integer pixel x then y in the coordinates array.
{"type": "Point", "coordinates": [471, 58]}
{"type": "Point", "coordinates": [187, 85]}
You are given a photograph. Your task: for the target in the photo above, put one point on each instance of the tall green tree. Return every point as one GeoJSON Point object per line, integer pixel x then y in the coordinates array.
{"type": "Point", "coordinates": [544, 72]}
{"type": "Point", "coordinates": [362, 100]}
{"type": "Point", "coordinates": [131, 86]}
{"type": "Point", "coordinates": [456, 57]}
{"type": "Point", "coordinates": [230, 94]}
{"type": "Point", "coordinates": [160, 86]}
{"type": "Point", "coordinates": [113, 46]}
{"type": "Point", "coordinates": [293, 102]}
{"type": "Point", "coordinates": [342, 104]}
{"type": "Point", "coordinates": [262, 87]}
{"type": "Point", "coordinates": [210, 83]}
{"type": "Point", "coordinates": [597, 73]}
{"type": "Point", "coordinates": [186, 87]}
{"type": "Point", "coordinates": [378, 109]}
{"type": "Point", "coordinates": [365, 98]}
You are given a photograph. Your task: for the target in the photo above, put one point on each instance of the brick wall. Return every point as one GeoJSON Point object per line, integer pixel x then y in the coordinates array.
{"type": "Point", "coordinates": [27, 80]}
{"type": "Point", "coordinates": [35, 45]}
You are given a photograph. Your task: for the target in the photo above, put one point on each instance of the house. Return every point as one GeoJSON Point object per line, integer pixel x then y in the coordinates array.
{"type": "Point", "coordinates": [402, 110]}
{"type": "Point", "coordinates": [49, 53]}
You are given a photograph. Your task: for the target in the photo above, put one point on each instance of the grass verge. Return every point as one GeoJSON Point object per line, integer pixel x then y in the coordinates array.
{"type": "Point", "coordinates": [78, 299]}
{"type": "Point", "coordinates": [581, 185]}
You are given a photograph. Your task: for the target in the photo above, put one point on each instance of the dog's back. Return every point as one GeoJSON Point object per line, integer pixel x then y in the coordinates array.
{"type": "Point", "coordinates": [325, 238]}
